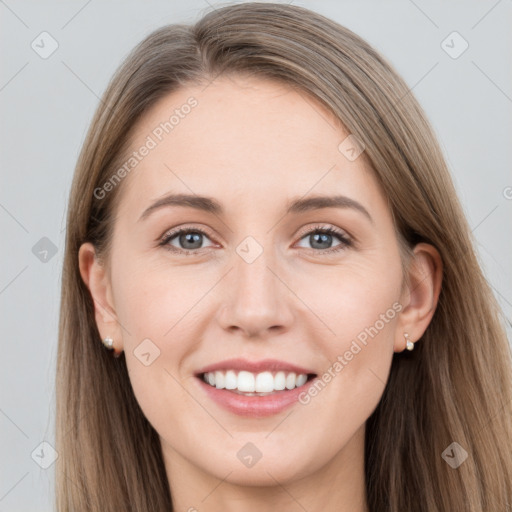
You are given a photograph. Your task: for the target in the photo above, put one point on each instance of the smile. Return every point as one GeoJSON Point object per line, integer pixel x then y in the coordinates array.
{"type": "Point", "coordinates": [255, 384]}
{"type": "Point", "coordinates": [254, 388]}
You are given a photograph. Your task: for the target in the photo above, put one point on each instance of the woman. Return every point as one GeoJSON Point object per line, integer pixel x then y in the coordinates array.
{"type": "Point", "coordinates": [263, 231]}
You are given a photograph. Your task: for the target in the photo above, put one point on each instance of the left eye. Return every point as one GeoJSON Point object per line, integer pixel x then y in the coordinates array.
{"type": "Point", "coordinates": [319, 238]}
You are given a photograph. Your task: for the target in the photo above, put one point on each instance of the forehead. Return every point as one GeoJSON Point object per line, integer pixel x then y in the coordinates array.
{"type": "Point", "coordinates": [241, 138]}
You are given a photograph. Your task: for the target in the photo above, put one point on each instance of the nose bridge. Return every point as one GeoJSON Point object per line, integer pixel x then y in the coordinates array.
{"type": "Point", "coordinates": [255, 299]}
{"type": "Point", "coordinates": [251, 265]}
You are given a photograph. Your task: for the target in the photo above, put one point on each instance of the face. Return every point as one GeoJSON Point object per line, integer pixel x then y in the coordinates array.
{"type": "Point", "coordinates": [220, 303]}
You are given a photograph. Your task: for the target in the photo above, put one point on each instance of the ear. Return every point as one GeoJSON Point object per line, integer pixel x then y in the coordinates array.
{"type": "Point", "coordinates": [97, 280]}
{"type": "Point", "coordinates": [420, 297]}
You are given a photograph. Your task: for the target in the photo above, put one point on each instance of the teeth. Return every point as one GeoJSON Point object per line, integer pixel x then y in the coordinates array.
{"type": "Point", "coordinates": [301, 380]}
{"type": "Point", "coordinates": [264, 383]}
{"type": "Point", "coordinates": [220, 381]}
{"type": "Point", "coordinates": [279, 381]}
{"type": "Point", "coordinates": [231, 380]}
{"type": "Point", "coordinates": [290, 380]}
{"type": "Point", "coordinates": [251, 383]}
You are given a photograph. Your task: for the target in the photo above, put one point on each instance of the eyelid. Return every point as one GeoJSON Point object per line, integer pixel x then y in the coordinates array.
{"type": "Point", "coordinates": [324, 227]}
{"type": "Point", "coordinates": [172, 232]}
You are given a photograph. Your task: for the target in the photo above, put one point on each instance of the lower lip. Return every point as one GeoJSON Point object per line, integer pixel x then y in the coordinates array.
{"type": "Point", "coordinates": [254, 406]}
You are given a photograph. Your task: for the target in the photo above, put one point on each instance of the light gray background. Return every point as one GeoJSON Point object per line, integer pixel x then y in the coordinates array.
{"type": "Point", "coordinates": [47, 104]}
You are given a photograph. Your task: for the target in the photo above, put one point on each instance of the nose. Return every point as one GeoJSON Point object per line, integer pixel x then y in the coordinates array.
{"type": "Point", "coordinates": [256, 302]}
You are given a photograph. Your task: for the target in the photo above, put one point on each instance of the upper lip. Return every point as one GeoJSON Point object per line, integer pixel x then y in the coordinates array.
{"type": "Point", "coordinates": [254, 366]}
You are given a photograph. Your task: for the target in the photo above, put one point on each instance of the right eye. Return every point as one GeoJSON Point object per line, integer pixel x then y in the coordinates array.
{"type": "Point", "coordinates": [189, 240]}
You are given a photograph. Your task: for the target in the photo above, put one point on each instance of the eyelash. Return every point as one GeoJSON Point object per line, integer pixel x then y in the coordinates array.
{"type": "Point", "coordinates": [327, 230]}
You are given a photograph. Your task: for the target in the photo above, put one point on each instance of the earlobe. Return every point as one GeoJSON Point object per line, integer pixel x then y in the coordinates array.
{"type": "Point", "coordinates": [96, 279]}
{"type": "Point", "coordinates": [421, 296]}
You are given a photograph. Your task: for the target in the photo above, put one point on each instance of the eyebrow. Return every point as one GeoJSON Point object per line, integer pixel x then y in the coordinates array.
{"type": "Point", "coordinates": [211, 205]}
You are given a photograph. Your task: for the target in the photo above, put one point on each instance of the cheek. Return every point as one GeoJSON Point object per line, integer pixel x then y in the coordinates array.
{"type": "Point", "coordinates": [360, 305]}
{"type": "Point", "coordinates": [152, 301]}
{"type": "Point", "coordinates": [356, 301]}
{"type": "Point", "coordinates": [155, 306]}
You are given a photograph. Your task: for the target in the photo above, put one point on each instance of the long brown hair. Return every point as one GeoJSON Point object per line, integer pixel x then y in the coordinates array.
{"type": "Point", "coordinates": [457, 384]}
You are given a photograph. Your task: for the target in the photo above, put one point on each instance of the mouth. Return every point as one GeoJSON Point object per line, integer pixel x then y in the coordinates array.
{"type": "Point", "coordinates": [249, 388]}
{"type": "Point", "coordinates": [256, 384]}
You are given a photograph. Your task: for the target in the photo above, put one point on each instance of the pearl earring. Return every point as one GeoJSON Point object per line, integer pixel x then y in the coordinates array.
{"type": "Point", "coordinates": [409, 343]}
{"type": "Point", "coordinates": [108, 342]}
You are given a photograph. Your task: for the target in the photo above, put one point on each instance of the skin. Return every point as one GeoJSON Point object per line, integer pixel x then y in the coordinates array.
{"type": "Point", "coordinates": [264, 144]}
